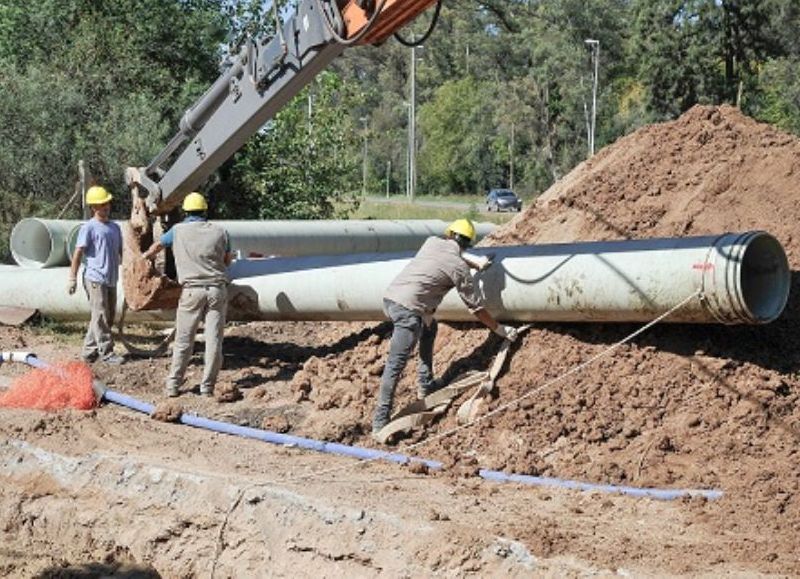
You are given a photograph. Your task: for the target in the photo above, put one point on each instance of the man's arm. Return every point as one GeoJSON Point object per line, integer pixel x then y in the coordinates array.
{"type": "Point", "coordinates": [72, 282]}
{"type": "Point", "coordinates": [507, 332]}
{"type": "Point", "coordinates": [153, 250]}
{"type": "Point", "coordinates": [486, 319]}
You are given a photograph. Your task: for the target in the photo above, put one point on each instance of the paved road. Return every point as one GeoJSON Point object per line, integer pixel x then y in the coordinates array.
{"type": "Point", "coordinates": [460, 205]}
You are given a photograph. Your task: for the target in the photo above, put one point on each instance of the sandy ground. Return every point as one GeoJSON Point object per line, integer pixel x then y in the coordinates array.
{"type": "Point", "coordinates": [681, 406]}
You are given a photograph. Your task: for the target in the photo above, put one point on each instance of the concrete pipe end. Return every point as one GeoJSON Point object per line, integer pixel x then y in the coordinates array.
{"type": "Point", "coordinates": [765, 277]}
{"type": "Point", "coordinates": [31, 243]}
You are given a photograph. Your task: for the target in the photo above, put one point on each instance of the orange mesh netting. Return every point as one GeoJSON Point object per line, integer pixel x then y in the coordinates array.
{"type": "Point", "coordinates": [66, 385]}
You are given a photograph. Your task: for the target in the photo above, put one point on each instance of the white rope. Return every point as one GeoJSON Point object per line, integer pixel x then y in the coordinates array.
{"type": "Point", "coordinates": [496, 411]}
{"type": "Point", "coordinates": [516, 401]}
{"type": "Point", "coordinates": [558, 379]}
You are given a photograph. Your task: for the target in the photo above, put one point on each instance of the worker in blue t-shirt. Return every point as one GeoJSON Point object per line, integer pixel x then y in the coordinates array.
{"type": "Point", "coordinates": [100, 241]}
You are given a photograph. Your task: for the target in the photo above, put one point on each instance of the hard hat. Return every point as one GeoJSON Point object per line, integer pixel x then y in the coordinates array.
{"type": "Point", "coordinates": [463, 227]}
{"type": "Point", "coordinates": [195, 202]}
{"type": "Point", "coordinates": [97, 196]}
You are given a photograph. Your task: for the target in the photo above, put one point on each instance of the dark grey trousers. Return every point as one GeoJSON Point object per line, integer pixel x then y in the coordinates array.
{"type": "Point", "coordinates": [102, 304]}
{"type": "Point", "coordinates": [409, 329]}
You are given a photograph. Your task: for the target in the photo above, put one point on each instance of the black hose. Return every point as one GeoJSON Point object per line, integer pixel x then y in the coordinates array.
{"type": "Point", "coordinates": [425, 36]}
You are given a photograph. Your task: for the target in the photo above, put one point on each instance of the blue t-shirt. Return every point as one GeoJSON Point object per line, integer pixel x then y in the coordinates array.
{"type": "Point", "coordinates": [102, 246]}
{"type": "Point", "coordinates": [168, 238]}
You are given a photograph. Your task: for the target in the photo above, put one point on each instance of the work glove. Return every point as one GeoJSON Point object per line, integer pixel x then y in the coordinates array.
{"type": "Point", "coordinates": [479, 262]}
{"type": "Point", "coordinates": [72, 285]}
{"type": "Point", "coordinates": [509, 333]}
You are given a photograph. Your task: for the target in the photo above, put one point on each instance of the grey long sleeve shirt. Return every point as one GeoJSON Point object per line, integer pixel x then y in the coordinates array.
{"type": "Point", "coordinates": [434, 271]}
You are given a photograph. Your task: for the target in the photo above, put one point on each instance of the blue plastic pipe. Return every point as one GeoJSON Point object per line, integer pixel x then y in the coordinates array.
{"type": "Point", "coordinates": [306, 443]}
{"type": "Point", "coordinates": [372, 454]}
{"type": "Point", "coordinates": [650, 493]}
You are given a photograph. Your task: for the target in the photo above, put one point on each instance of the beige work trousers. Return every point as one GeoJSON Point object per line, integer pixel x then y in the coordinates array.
{"type": "Point", "coordinates": [99, 342]}
{"type": "Point", "coordinates": [206, 303]}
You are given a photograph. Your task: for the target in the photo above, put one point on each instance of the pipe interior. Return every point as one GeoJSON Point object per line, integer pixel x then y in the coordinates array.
{"type": "Point", "coordinates": [765, 278]}
{"type": "Point", "coordinates": [31, 243]}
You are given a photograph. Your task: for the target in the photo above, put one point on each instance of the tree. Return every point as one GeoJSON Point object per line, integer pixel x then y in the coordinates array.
{"type": "Point", "coordinates": [298, 166]}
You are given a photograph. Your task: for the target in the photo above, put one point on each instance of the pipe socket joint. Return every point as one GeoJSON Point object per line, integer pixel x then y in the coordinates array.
{"type": "Point", "coordinates": [745, 278]}
{"type": "Point", "coordinates": [21, 357]}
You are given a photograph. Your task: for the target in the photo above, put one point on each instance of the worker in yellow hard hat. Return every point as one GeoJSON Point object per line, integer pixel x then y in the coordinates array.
{"type": "Point", "coordinates": [100, 241]}
{"type": "Point", "coordinates": [202, 253]}
{"type": "Point", "coordinates": [411, 300]}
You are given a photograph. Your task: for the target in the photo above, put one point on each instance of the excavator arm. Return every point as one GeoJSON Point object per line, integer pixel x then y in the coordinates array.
{"type": "Point", "coordinates": [258, 82]}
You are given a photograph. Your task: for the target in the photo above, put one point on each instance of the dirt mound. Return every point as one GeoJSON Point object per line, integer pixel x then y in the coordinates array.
{"type": "Point", "coordinates": [681, 406]}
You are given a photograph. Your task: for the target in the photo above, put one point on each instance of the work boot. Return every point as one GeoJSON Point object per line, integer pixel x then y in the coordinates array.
{"type": "Point", "coordinates": [113, 359]}
{"type": "Point", "coordinates": [428, 389]}
{"type": "Point", "coordinates": [378, 423]}
{"type": "Point", "coordinates": [89, 358]}
{"type": "Point", "coordinates": [206, 390]}
{"type": "Point", "coordinates": [171, 390]}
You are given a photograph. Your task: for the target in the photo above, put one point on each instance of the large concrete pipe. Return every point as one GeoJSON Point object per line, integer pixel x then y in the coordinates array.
{"type": "Point", "coordinates": [39, 243]}
{"type": "Point", "coordinates": [744, 278]}
{"type": "Point", "coordinates": [46, 290]}
{"type": "Point", "coordinates": [327, 237]}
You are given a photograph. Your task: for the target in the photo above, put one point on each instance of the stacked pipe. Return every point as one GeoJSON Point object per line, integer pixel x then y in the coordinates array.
{"type": "Point", "coordinates": [739, 278]}
{"type": "Point", "coordinates": [44, 243]}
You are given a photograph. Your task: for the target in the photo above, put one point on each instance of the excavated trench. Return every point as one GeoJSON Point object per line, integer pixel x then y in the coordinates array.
{"type": "Point", "coordinates": [679, 406]}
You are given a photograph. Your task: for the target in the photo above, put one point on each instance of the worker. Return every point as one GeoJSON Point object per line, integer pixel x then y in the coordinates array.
{"type": "Point", "coordinates": [100, 241]}
{"type": "Point", "coordinates": [411, 300]}
{"type": "Point", "coordinates": [202, 253]}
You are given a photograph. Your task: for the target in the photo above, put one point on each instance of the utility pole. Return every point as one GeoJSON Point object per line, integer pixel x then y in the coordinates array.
{"type": "Point", "coordinates": [408, 151]}
{"type": "Point", "coordinates": [364, 120]}
{"type": "Point", "coordinates": [412, 138]}
{"type": "Point", "coordinates": [511, 160]}
{"type": "Point", "coordinates": [594, 45]}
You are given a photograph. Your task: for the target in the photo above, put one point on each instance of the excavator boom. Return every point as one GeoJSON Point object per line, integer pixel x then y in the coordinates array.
{"type": "Point", "coordinates": [257, 83]}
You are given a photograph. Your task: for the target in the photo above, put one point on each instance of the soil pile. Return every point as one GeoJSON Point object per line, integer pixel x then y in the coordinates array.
{"type": "Point", "coordinates": [681, 406]}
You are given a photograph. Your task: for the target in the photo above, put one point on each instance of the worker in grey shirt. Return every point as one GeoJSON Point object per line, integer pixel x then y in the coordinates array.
{"type": "Point", "coordinates": [100, 242]}
{"type": "Point", "coordinates": [202, 253]}
{"type": "Point", "coordinates": [410, 302]}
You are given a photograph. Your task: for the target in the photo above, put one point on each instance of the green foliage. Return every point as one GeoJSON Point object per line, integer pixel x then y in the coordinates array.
{"type": "Point", "coordinates": [100, 81]}
{"type": "Point", "coordinates": [779, 99]}
{"type": "Point", "coordinates": [456, 153]}
{"type": "Point", "coordinates": [499, 83]}
{"type": "Point", "coordinates": [300, 166]}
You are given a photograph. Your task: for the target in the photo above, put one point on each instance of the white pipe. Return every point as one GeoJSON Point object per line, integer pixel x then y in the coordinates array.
{"type": "Point", "coordinates": [39, 243]}
{"type": "Point", "coordinates": [335, 237]}
{"type": "Point", "coordinates": [46, 290]}
{"type": "Point", "coordinates": [744, 278]}
{"type": "Point", "coordinates": [327, 237]}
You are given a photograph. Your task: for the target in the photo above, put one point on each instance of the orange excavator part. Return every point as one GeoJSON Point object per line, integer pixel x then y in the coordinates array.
{"type": "Point", "coordinates": [394, 15]}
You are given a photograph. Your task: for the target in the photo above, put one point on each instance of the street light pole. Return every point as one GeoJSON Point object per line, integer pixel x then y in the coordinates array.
{"type": "Point", "coordinates": [412, 139]}
{"type": "Point", "coordinates": [364, 120]}
{"type": "Point", "coordinates": [511, 160]}
{"type": "Point", "coordinates": [595, 47]}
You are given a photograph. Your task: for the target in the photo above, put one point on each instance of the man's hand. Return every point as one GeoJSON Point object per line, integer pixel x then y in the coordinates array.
{"type": "Point", "coordinates": [486, 262]}
{"type": "Point", "coordinates": [72, 285]}
{"type": "Point", "coordinates": [508, 332]}
{"type": "Point", "coordinates": [479, 262]}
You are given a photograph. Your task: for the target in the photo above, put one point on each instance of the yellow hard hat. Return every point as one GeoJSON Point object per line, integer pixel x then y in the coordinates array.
{"type": "Point", "coordinates": [195, 202]}
{"type": "Point", "coordinates": [463, 227]}
{"type": "Point", "coordinates": [97, 196]}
